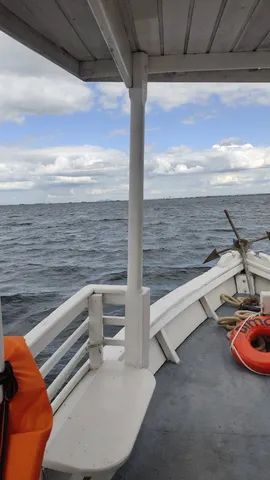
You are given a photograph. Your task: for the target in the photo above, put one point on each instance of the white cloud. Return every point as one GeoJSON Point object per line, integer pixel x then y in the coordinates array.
{"type": "Point", "coordinates": [61, 180]}
{"type": "Point", "coordinates": [92, 172]}
{"type": "Point", "coordinates": [31, 85]}
{"type": "Point", "coordinates": [24, 185]}
{"type": "Point", "coordinates": [168, 96]}
{"type": "Point", "coordinates": [112, 96]}
{"type": "Point", "coordinates": [62, 168]}
{"type": "Point", "coordinates": [198, 117]}
{"type": "Point", "coordinates": [218, 158]}
{"type": "Point", "coordinates": [221, 180]}
{"type": "Point", "coordinates": [122, 132]}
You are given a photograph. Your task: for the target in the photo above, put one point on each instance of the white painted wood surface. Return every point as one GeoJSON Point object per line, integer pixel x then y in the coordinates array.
{"type": "Point", "coordinates": [95, 313]}
{"type": "Point", "coordinates": [181, 311]}
{"type": "Point", "coordinates": [69, 387]}
{"type": "Point", "coordinates": [203, 21]}
{"type": "Point", "coordinates": [114, 34]}
{"type": "Point", "coordinates": [241, 283]}
{"type": "Point", "coordinates": [208, 62]}
{"type": "Point", "coordinates": [48, 19]}
{"type": "Point", "coordinates": [166, 346]}
{"type": "Point", "coordinates": [145, 16]}
{"type": "Point", "coordinates": [98, 415]}
{"type": "Point", "coordinates": [81, 18]}
{"type": "Point", "coordinates": [228, 30]}
{"type": "Point", "coordinates": [19, 30]}
{"type": "Point", "coordinates": [137, 299]}
{"type": "Point", "coordinates": [210, 312]}
{"type": "Point", "coordinates": [114, 320]}
{"type": "Point", "coordinates": [64, 348]}
{"type": "Point", "coordinates": [43, 334]}
{"type": "Point", "coordinates": [256, 28]}
{"type": "Point", "coordinates": [67, 371]}
{"type": "Point", "coordinates": [73, 33]}
{"type": "Point", "coordinates": [165, 309]}
{"type": "Point", "coordinates": [175, 16]}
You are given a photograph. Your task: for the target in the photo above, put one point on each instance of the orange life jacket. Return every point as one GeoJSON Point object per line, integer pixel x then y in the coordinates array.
{"type": "Point", "coordinates": [30, 415]}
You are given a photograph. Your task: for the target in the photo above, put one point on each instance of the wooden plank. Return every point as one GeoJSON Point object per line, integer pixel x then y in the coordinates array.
{"type": "Point", "coordinates": [261, 284]}
{"type": "Point", "coordinates": [175, 16]}
{"type": "Point", "coordinates": [241, 76]}
{"type": "Point", "coordinates": [203, 22]}
{"type": "Point", "coordinates": [241, 283]}
{"type": "Point", "coordinates": [256, 29]}
{"type": "Point", "coordinates": [114, 320]}
{"type": "Point", "coordinates": [23, 33]}
{"type": "Point", "coordinates": [145, 15]}
{"type": "Point", "coordinates": [128, 21]}
{"type": "Point", "coordinates": [228, 287]}
{"type": "Point", "coordinates": [95, 313]}
{"type": "Point", "coordinates": [49, 21]}
{"type": "Point", "coordinates": [208, 61]}
{"type": "Point", "coordinates": [81, 18]}
{"type": "Point", "coordinates": [184, 324]}
{"type": "Point", "coordinates": [265, 45]}
{"type": "Point", "coordinates": [234, 17]}
{"type": "Point", "coordinates": [165, 310]}
{"type": "Point", "coordinates": [100, 69]}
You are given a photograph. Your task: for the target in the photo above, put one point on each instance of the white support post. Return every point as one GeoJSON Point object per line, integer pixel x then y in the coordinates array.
{"type": "Point", "coordinates": [137, 303]}
{"type": "Point", "coordinates": [2, 358]}
{"type": "Point", "coordinates": [95, 312]}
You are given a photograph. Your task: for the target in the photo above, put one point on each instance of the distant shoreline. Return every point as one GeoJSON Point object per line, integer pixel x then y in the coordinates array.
{"type": "Point", "coordinates": [146, 199]}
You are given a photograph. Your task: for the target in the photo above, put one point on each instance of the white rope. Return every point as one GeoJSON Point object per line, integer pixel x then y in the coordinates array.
{"type": "Point", "coordinates": [232, 346]}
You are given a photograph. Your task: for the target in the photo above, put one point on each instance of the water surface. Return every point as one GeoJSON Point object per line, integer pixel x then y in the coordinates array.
{"type": "Point", "coordinates": [48, 252]}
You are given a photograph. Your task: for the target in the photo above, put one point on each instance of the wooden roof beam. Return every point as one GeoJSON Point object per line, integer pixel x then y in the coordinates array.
{"type": "Point", "coordinates": [208, 62]}
{"type": "Point", "coordinates": [171, 67]}
{"type": "Point", "coordinates": [114, 34]}
{"type": "Point", "coordinates": [21, 31]}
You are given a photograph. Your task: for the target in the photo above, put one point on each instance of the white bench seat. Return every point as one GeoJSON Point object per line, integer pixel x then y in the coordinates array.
{"type": "Point", "coordinates": [97, 425]}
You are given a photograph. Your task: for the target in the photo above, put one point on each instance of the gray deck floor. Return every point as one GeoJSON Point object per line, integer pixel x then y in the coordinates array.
{"type": "Point", "coordinates": [209, 418]}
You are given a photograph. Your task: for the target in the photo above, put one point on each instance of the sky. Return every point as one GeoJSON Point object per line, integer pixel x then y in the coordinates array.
{"type": "Point", "coordinates": [62, 140]}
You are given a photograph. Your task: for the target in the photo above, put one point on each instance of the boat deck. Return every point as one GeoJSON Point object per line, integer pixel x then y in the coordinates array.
{"type": "Point", "coordinates": [208, 419]}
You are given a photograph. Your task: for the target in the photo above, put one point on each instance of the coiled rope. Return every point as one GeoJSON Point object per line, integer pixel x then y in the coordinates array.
{"type": "Point", "coordinates": [232, 321]}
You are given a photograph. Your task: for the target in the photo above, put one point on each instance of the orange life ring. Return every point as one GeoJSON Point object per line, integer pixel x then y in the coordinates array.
{"type": "Point", "coordinates": [241, 346]}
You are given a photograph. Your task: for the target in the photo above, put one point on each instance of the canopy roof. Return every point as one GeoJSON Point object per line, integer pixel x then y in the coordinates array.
{"type": "Point", "coordinates": [186, 40]}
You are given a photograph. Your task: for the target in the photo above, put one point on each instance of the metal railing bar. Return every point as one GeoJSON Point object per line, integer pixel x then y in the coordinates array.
{"type": "Point", "coordinates": [113, 342]}
{"type": "Point", "coordinates": [63, 376]}
{"type": "Point", "coordinates": [73, 382]}
{"type": "Point", "coordinates": [114, 320]}
{"type": "Point", "coordinates": [63, 349]}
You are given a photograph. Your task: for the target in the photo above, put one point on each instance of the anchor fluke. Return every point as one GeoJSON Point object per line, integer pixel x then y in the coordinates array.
{"type": "Point", "coordinates": [213, 255]}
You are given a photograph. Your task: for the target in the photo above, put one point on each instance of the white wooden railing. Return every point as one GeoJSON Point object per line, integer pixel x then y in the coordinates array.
{"type": "Point", "coordinates": [89, 301]}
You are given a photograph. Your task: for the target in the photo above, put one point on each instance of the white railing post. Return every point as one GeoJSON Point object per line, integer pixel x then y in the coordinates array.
{"type": "Point", "coordinates": [137, 303]}
{"type": "Point", "coordinates": [95, 312]}
{"type": "Point", "coordinates": [2, 358]}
